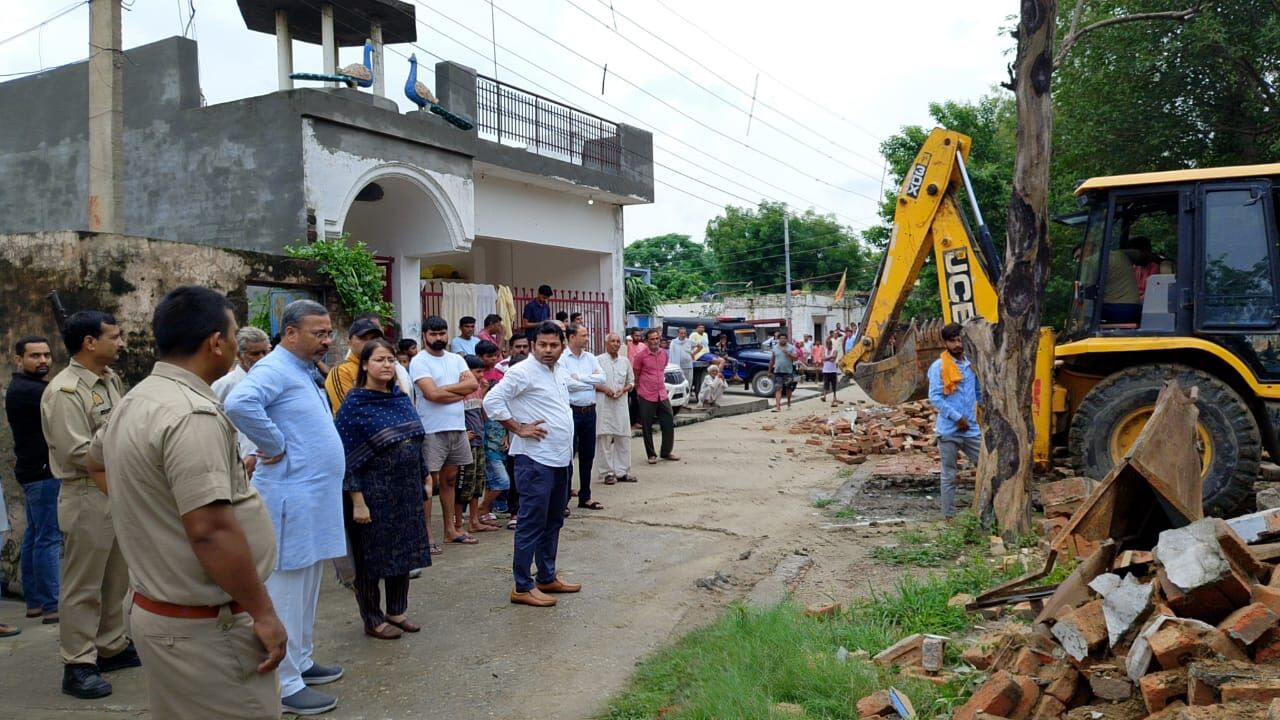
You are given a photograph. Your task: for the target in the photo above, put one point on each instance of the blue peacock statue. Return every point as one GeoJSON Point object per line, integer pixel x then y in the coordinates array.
{"type": "Point", "coordinates": [353, 75]}
{"type": "Point", "coordinates": [422, 96]}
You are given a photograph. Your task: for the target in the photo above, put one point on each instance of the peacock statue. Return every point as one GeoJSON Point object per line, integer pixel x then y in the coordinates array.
{"type": "Point", "coordinates": [422, 96]}
{"type": "Point", "coordinates": [360, 75]}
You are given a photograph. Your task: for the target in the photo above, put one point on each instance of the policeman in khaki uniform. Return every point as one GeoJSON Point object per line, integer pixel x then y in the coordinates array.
{"type": "Point", "coordinates": [74, 407]}
{"type": "Point", "coordinates": [197, 536]}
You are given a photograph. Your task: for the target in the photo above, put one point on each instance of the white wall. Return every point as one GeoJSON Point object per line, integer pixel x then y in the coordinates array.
{"type": "Point", "coordinates": [510, 210]}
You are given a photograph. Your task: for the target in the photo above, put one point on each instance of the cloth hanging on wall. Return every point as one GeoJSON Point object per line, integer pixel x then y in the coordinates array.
{"type": "Point", "coordinates": [486, 302]}
{"type": "Point", "coordinates": [507, 309]}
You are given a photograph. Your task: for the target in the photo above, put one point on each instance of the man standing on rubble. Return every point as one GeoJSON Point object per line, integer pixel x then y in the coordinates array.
{"type": "Point", "coordinates": [954, 393]}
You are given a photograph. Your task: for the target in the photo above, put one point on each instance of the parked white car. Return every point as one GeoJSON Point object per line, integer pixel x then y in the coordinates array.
{"type": "Point", "coordinates": [678, 389]}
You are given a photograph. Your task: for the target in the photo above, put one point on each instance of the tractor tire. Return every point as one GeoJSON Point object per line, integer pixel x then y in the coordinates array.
{"type": "Point", "coordinates": [1236, 442]}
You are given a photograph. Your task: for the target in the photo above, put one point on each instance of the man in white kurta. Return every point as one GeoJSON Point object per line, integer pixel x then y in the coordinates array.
{"type": "Point", "coordinates": [299, 474]}
{"type": "Point", "coordinates": [613, 419]}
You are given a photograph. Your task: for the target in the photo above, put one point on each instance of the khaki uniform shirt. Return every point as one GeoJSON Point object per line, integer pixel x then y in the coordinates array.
{"type": "Point", "coordinates": [168, 450]}
{"type": "Point", "coordinates": [73, 409]}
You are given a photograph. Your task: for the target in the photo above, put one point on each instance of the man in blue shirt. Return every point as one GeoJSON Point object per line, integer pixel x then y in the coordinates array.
{"type": "Point", "coordinates": [536, 312]}
{"type": "Point", "coordinates": [954, 392]}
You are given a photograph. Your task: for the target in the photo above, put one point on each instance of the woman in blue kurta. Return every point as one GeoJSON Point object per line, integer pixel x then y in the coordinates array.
{"type": "Point", "coordinates": [386, 471]}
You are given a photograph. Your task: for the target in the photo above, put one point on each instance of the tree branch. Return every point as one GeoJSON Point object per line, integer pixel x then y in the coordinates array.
{"type": "Point", "coordinates": [1076, 35]}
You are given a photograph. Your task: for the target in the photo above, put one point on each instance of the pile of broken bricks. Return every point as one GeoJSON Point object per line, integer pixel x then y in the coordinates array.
{"type": "Point", "coordinates": [1187, 631]}
{"type": "Point", "coordinates": [887, 430]}
{"type": "Point", "coordinates": [1169, 615]}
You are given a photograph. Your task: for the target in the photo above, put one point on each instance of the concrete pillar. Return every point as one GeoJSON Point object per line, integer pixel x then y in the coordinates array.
{"type": "Point", "coordinates": [406, 295]}
{"type": "Point", "coordinates": [379, 64]}
{"type": "Point", "coordinates": [284, 50]}
{"type": "Point", "coordinates": [328, 42]}
{"type": "Point", "coordinates": [456, 88]}
{"type": "Point", "coordinates": [106, 118]}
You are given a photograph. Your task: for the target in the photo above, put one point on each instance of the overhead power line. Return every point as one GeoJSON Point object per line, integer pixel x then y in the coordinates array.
{"type": "Point", "coordinates": [642, 123]}
{"type": "Point", "coordinates": [734, 105]}
{"type": "Point", "coordinates": [42, 23]}
{"type": "Point", "coordinates": [820, 105]}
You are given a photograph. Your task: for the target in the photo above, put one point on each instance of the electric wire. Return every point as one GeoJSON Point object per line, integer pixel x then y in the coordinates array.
{"type": "Point", "coordinates": [789, 116]}
{"type": "Point", "coordinates": [44, 22]}
{"type": "Point", "coordinates": [639, 121]}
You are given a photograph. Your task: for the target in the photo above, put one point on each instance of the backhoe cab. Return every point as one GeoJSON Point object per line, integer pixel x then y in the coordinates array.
{"type": "Point", "coordinates": [1178, 278]}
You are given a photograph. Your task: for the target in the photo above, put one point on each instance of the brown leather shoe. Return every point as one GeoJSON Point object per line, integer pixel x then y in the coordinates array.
{"type": "Point", "coordinates": [559, 586]}
{"type": "Point", "coordinates": [534, 597]}
{"type": "Point", "coordinates": [388, 632]}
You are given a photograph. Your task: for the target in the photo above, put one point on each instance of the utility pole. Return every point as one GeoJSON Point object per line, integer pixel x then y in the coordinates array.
{"type": "Point", "coordinates": [106, 118]}
{"type": "Point", "coordinates": [786, 252]}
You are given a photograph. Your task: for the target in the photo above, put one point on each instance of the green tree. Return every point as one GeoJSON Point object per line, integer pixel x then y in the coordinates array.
{"type": "Point", "coordinates": [681, 268]}
{"type": "Point", "coordinates": [990, 124]}
{"type": "Point", "coordinates": [747, 244]}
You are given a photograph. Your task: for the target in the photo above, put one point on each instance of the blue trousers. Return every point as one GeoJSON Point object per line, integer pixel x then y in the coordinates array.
{"type": "Point", "coordinates": [544, 494]}
{"type": "Point", "coordinates": [41, 545]}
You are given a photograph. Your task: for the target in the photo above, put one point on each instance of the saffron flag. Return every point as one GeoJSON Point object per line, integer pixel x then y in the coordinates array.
{"type": "Point", "coordinates": [839, 295]}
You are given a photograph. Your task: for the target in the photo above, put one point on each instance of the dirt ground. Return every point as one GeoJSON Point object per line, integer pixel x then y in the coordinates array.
{"type": "Point", "coordinates": [740, 501]}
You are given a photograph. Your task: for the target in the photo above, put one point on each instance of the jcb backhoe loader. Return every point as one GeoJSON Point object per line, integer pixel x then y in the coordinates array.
{"type": "Point", "coordinates": [1179, 277]}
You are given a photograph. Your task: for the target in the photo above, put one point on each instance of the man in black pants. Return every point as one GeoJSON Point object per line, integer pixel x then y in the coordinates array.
{"type": "Point", "coordinates": [585, 375]}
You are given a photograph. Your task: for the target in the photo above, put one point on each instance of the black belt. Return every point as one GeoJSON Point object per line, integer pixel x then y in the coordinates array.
{"type": "Point", "coordinates": [582, 409]}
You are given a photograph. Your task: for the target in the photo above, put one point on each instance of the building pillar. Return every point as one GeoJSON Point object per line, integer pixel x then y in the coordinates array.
{"type": "Point", "coordinates": [106, 119]}
{"type": "Point", "coordinates": [328, 41]}
{"type": "Point", "coordinates": [379, 60]}
{"type": "Point", "coordinates": [284, 50]}
{"type": "Point", "coordinates": [406, 295]}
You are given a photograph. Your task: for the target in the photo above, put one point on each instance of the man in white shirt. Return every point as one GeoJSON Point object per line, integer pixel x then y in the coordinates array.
{"type": "Point", "coordinates": [532, 403]}
{"type": "Point", "coordinates": [443, 381]}
{"type": "Point", "coordinates": [681, 351]}
{"type": "Point", "coordinates": [585, 376]}
{"type": "Point", "coordinates": [252, 345]}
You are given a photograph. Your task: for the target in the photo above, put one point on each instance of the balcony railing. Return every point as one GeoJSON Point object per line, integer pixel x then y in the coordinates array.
{"type": "Point", "coordinates": [517, 118]}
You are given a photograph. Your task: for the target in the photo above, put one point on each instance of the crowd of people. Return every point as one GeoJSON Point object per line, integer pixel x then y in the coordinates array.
{"type": "Point", "coordinates": [201, 508]}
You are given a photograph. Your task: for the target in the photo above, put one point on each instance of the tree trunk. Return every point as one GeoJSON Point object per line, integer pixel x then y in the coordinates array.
{"type": "Point", "coordinates": [1004, 353]}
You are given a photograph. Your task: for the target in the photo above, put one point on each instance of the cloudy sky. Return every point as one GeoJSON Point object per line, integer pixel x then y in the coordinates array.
{"type": "Point", "coordinates": [835, 78]}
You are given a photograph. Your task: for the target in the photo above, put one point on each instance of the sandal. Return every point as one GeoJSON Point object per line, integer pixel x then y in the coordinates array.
{"type": "Point", "coordinates": [435, 548]}
{"type": "Point", "coordinates": [511, 524]}
{"type": "Point", "coordinates": [7, 630]}
{"type": "Point", "coordinates": [628, 478]}
{"type": "Point", "coordinates": [653, 461]}
{"type": "Point", "coordinates": [591, 505]}
{"type": "Point", "coordinates": [388, 632]}
{"type": "Point", "coordinates": [405, 624]}
{"type": "Point", "coordinates": [465, 539]}
{"type": "Point", "coordinates": [610, 479]}
{"type": "Point", "coordinates": [488, 518]}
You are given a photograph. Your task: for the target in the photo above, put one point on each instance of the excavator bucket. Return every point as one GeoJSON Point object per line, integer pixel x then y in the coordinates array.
{"type": "Point", "coordinates": [903, 376]}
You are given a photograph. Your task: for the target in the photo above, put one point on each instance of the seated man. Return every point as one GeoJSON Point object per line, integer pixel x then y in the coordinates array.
{"type": "Point", "coordinates": [1121, 303]}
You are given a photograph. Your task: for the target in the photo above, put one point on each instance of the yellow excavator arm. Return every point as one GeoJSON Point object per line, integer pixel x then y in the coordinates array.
{"type": "Point", "coordinates": [885, 361]}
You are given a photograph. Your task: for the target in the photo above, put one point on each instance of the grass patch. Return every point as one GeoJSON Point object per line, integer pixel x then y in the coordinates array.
{"type": "Point", "coordinates": [846, 513]}
{"type": "Point", "coordinates": [951, 541]}
{"type": "Point", "coordinates": [748, 661]}
{"type": "Point", "coordinates": [823, 502]}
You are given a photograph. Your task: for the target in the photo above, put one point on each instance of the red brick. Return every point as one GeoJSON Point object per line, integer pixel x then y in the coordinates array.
{"type": "Point", "coordinates": [1158, 688]}
{"type": "Point", "coordinates": [1027, 702]}
{"type": "Point", "coordinates": [1061, 681]}
{"type": "Point", "coordinates": [1248, 623]}
{"type": "Point", "coordinates": [997, 696]}
{"type": "Point", "coordinates": [1260, 691]}
{"type": "Point", "coordinates": [1267, 648]}
{"type": "Point", "coordinates": [1266, 595]}
{"type": "Point", "coordinates": [1200, 692]}
{"type": "Point", "coordinates": [1081, 630]}
{"type": "Point", "coordinates": [1049, 708]}
{"type": "Point", "coordinates": [877, 703]}
{"type": "Point", "coordinates": [1109, 682]}
{"type": "Point", "coordinates": [1175, 642]}
{"type": "Point", "coordinates": [1062, 498]}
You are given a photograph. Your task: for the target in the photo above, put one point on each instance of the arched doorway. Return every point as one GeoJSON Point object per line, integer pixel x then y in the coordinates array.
{"type": "Point", "coordinates": [403, 216]}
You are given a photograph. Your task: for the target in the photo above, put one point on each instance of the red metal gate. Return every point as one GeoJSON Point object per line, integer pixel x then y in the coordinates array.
{"type": "Point", "coordinates": [593, 305]}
